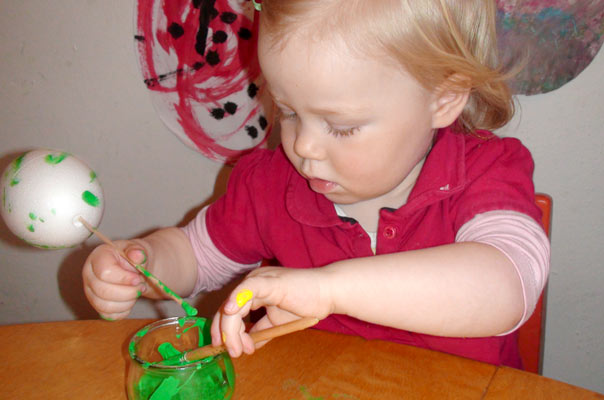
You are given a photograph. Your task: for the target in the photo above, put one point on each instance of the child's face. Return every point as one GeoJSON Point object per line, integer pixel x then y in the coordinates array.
{"type": "Point", "coordinates": [354, 127]}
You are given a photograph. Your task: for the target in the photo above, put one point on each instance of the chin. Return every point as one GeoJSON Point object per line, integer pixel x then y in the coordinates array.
{"type": "Point", "coordinates": [341, 198]}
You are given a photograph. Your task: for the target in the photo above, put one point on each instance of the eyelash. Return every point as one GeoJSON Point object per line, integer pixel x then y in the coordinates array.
{"type": "Point", "coordinates": [342, 132]}
{"type": "Point", "coordinates": [331, 130]}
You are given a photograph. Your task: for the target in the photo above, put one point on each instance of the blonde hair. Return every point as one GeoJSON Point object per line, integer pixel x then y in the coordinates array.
{"type": "Point", "coordinates": [441, 43]}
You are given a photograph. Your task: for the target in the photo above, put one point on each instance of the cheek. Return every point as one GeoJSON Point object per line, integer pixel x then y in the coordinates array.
{"type": "Point", "coordinates": [287, 141]}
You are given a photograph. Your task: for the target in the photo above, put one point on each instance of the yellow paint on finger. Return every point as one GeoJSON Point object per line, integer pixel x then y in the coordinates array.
{"type": "Point", "coordinates": [243, 297]}
{"type": "Point", "coordinates": [223, 337]}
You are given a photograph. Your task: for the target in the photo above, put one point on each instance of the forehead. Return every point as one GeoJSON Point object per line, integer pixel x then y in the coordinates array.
{"type": "Point", "coordinates": [320, 53]}
{"type": "Point", "coordinates": [304, 72]}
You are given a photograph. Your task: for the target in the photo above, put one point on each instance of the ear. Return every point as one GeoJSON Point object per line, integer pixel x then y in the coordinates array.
{"type": "Point", "coordinates": [450, 98]}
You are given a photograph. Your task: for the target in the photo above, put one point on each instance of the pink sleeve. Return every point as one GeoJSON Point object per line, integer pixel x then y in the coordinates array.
{"type": "Point", "coordinates": [214, 269]}
{"type": "Point", "coordinates": [523, 241]}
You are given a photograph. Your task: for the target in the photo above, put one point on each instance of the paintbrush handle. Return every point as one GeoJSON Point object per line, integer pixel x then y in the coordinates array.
{"type": "Point", "coordinates": [156, 282]}
{"type": "Point", "coordinates": [257, 336]}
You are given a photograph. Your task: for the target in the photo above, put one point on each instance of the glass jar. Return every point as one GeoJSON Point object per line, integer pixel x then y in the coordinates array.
{"type": "Point", "coordinates": [212, 378]}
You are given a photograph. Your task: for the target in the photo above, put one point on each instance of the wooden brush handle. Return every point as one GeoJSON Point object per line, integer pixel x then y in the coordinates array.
{"type": "Point", "coordinates": [257, 336]}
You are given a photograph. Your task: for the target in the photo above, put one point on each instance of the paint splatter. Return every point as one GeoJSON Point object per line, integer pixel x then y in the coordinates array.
{"type": "Point", "coordinates": [560, 39]}
{"type": "Point", "coordinates": [91, 199]}
{"type": "Point", "coordinates": [307, 395]}
{"type": "Point", "coordinates": [16, 164]}
{"type": "Point", "coordinates": [243, 297]}
{"type": "Point", "coordinates": [189, 310]}
{"type": "Point", "coordinates": [55, 159]}
{"type": "Point", "coordinates": [198, 59]}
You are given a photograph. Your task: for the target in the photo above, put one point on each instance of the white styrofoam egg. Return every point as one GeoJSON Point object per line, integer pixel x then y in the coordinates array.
{"type": "Point", "coordinates": [44, 192]}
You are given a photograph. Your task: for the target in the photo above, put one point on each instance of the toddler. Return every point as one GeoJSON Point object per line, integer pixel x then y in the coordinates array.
{"type": "Point", "coordinates": [391, 209]}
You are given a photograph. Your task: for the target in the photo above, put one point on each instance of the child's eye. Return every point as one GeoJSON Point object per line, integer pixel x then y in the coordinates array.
{"type": "Point", "coordinates": [342, 132]}
{"type": "Point", "coordinates": [286, 114]}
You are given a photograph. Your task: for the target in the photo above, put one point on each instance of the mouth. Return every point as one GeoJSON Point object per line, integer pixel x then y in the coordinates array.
{"type": "Point", "coordinates": [321, 186]}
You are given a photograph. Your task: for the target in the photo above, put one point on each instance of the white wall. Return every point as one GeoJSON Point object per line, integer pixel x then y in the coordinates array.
{"type": "Point", "coordinates": [565, 131]}
{"type": "Point", "coordinates": [69, 80]}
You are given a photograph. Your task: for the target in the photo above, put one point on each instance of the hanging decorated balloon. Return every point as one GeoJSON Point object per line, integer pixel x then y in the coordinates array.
{"type": "Point", "coordinates": [556, 39]}
{"type": "Point", "coordinates": [198, 59]}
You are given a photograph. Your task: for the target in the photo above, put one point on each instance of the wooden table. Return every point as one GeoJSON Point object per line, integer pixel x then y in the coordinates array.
{"type": "Point", "coordinates": [88, 360]}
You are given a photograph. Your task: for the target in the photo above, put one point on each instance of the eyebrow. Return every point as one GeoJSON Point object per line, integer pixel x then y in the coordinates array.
{"type": "Point", "coordinates": [344, 110]}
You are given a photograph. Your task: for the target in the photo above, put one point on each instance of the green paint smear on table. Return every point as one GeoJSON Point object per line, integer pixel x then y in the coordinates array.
{"type": "Point", "coordinates": [90, 199]}
{"type": "Point", "coordinates": [54, 159]}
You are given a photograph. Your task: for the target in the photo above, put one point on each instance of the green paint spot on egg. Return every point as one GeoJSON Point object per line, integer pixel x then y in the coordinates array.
{"type": "Point", "coordinates": [32, 216]}
{"type": "Point", "coordinates": [31, 228]}
{"type": "Point", "coordinates": [54, 159]}
{"type": "Point", "coordinates": [14, 182]}
{"type": "Point", "coordinates": [90, 199]}
{"type": "Point", "coordinates": [92, 176]}
{"type": "Point", "coordinates": [18, 161]}
{"type": "Point", "coordinates": [53, 211]}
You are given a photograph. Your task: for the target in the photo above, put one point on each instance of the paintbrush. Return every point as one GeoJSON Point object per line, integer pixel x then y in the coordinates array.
{"type": "Point", "coordinates": [257, 336]}
{"type": "Point", "coordinates": [156, 282]}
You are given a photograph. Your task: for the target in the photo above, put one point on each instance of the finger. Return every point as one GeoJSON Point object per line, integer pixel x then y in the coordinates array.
{"type": "Point", "coordinates": [247, 343]}
{"type": "Point", "coordinates": [215, 330]}
{"type": "Point", "coordinates": [263, 323]}
{"type": "Point", "coordinates": [136, 254]}
{"type": "Point", "coordinates": [252, 293]}
{"type": "Point", "coordinates": [115, 316]}
{"type": "Point", "coordinates": [114, 292]}
{"type": "Point", "coordinates": [232, 329]}
{"type": "Point", "coordinates": [108, 307]}
{"type": "Point", "coordinates": [105, 264]}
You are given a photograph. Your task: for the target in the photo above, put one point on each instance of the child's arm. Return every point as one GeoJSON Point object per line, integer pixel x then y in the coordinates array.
{"type": "Point", "coordinates": [463, 289]}
{"type": "Point", "coordinates": [112, 285]}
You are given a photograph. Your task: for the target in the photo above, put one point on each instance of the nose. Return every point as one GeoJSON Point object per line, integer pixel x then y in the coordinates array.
{"type": "Point", "coordinates": [308, 143]}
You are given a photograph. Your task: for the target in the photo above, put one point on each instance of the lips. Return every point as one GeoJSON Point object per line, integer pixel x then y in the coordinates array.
{"type": "Point", "coordinates": [321, 186]}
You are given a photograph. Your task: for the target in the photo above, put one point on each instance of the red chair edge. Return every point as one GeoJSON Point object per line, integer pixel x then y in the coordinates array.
{"type": "Point", "coordinates": [531, 334]}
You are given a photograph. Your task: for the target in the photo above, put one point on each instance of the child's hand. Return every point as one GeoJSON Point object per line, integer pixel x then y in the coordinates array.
{"type": "Point", "coordinates": [287, 294]}
{"type": "Point", "coordinates": [110, 283]}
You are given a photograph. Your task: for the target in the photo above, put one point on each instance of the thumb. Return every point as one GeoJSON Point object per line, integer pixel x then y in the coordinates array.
{"type": "Point", "coordinates": [136, 254]}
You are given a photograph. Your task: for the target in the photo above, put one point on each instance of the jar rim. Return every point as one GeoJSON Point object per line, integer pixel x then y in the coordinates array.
{"type": "Point", "coordinates": [159, 324]}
